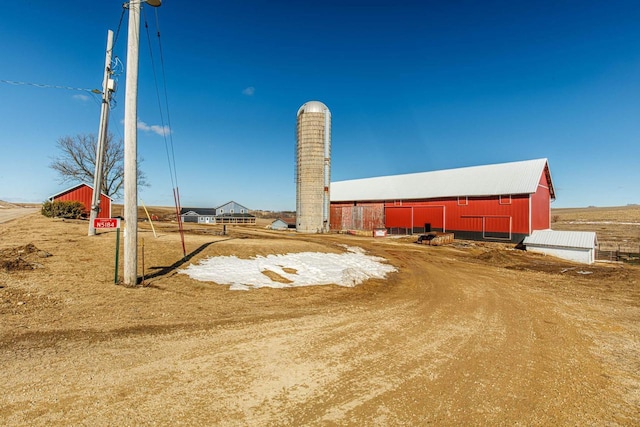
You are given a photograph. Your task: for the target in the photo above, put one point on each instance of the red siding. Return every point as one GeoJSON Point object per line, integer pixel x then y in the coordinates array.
{"type": "Point", "coordinates": [505, 217]}
{"type": "Point", "coordinates": [541, 206]}
{"type": "Point", "coordinates": [350, 216]}
{"type": "Point", "coordinates": [84, 195]}
{"type": "Point", "coordinates": [398, 216]}
{"type": "Point", "coordinates": [433, 215]}
{"type": "Point", "coordinates": [447, 214]}
{"type": "Point", "coordinates": [335, 216]}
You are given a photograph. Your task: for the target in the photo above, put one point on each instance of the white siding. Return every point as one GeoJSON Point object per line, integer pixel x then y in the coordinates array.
{"type": "Point", "coordinates": [565, 239]}
{"type": "Point", "coordinates": [584, 256]}
{"type": "Point", "coordinates": [578, 246]}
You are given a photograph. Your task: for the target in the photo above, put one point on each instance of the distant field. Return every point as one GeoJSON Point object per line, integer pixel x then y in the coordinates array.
{"type": "Point", "coordinates": [620, 224]}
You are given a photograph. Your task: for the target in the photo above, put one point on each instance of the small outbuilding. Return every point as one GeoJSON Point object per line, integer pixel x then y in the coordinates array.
{"type": "Point", "coordinates": [578, 246]}
{"type": "Point", "coordinates": [83, 193]}
{"type": "Point", "coordinates": [283, 224]}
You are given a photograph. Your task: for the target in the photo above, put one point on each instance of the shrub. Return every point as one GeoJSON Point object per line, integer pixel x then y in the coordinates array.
{"type": "Point", "coordinates": [555, 218]}
{"type": "Point", "coordinates": [64, 209]}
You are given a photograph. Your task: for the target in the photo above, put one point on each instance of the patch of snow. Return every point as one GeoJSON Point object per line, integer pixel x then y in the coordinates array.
{"type": "Point", "coordinates": [299, 269]}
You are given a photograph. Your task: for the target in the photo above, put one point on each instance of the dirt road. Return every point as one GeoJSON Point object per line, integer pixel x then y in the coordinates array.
{"type": "Point", "coordinates": [7, 214]}
{"type": "Point", "coordinates": [466, 334]}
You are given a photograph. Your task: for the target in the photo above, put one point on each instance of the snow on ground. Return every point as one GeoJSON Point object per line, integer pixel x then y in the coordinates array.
{"type": "Point", "coordinates": [295, 269]}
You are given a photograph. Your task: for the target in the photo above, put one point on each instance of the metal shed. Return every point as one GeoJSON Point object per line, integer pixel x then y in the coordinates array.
{"type": "Point", "coordinates": [578, 246]}
{"type": "Point", "coordinates": [83, 193]}
{"type": "Point", "coordinates": [283, 224]}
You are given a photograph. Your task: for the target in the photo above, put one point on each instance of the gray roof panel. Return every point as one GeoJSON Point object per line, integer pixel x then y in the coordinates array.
{"type": "Point", "coordinates": [487, 180]}
{"type": "Point", "coordinates": [562, 239]}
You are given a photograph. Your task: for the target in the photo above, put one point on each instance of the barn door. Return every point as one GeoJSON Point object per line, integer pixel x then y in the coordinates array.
{"type": "Point", "coordinates": [496, 227]}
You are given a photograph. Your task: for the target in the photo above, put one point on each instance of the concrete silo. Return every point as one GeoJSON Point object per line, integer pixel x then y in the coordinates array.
{"type": "Point", "coordinates": [313, 168]}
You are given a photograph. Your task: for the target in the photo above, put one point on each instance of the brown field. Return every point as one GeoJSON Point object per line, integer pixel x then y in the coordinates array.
{"type": "Point", "coordinates": [464, 334]}
{"type": "Point", "coordinates": [620, 225]}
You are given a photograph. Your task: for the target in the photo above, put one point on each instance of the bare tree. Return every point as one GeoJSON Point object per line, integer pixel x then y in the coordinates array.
{"type": "Point", "coordinates": [77, 162]}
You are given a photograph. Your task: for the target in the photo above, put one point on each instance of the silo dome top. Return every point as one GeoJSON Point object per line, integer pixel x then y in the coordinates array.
{"type": "Point", "coordinates": [313, 107]}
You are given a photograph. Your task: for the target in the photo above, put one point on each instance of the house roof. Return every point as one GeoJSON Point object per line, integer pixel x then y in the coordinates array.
{"type": "Point", "coordinates": [520, 177]}
{"type": "Point", "coordinates": [230, 202]}
{"type": "Point", "coordinates": [288, 221]}
{"type": "Point", "coordinates": [562, 239]}
{"type": "Point", "coordinates": [70, 189]}
{"type": "Point", "coordinates": [199, 211]}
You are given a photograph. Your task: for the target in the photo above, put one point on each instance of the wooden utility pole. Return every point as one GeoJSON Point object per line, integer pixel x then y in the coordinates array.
{"type": "Point", "coordinates": [131, 149]}
{"type": "Point", "coordinates": [131, 145]}
{"type": "Point", "coordinates": [107, 89]}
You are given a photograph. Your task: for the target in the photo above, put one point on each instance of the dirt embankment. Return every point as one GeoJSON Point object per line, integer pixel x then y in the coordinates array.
{"type": "Point", "coordinates": [459, 335]}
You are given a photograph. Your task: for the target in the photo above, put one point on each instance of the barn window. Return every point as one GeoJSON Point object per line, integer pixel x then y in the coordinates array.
{"type": "Point", "coordinates": [230, 210]}
{"type": "Point", "coordinates": [463, 201]}
{"type": "Point", "coordinates": [505, 200]}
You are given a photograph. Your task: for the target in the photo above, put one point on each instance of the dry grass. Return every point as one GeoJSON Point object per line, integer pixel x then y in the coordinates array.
{"type": "Point", "coordinates": [466, 334]}
{"type": "Point", "coordinates": [619, 225]}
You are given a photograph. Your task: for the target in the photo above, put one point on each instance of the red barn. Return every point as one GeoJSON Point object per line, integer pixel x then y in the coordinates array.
{"type": "Point", "coordinates": [83, 193]}
{"type": "Point", "coordinates": [501, 202]}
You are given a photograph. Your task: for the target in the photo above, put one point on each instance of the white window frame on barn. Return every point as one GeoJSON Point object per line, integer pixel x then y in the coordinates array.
{"type": "Point", "coordinates": [461, 199]}
{"type": "Point", "coordinates": [505, 200]}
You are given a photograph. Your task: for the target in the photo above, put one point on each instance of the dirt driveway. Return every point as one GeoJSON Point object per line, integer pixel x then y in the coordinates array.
{"type": "Point", "coordinates": [7, 214]}
{"type": "Point", "coordinates": [461, 335]}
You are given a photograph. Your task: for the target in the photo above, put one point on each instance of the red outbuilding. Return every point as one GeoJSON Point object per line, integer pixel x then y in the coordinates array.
{"type": "Point", "coordinates": [83, 193]}
{"type": "Point", "coordinates": [500, 202]}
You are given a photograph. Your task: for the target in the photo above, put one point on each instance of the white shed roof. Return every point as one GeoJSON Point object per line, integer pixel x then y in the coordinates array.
{"type": "Point", "coordinates": [75, 187]}
{"type": "Point", "coordinates": [488, 180]}
{"type": "Point", "coordinates": [563, 239]}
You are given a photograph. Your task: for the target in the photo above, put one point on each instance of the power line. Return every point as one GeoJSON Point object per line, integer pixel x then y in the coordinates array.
{"type": "Point", "coordinates": [166, 99]}
{"type": "Point", "coordinates": [43, 85]}
{"type": "Point", "coordinates": [170, 159]}
{"type": "Point", "coordinates": [124, 9]}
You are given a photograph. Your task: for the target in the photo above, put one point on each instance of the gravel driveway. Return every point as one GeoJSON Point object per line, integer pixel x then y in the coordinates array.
{"type": "Point", "coordinates": [7, 214]}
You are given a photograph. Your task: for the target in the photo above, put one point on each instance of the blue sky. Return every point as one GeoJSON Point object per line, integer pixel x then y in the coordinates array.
{"type": "Point", "coordinates": [412, 87]}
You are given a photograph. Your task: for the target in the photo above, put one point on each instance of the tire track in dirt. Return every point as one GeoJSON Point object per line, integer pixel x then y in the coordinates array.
{"type": "Point", "coordinates": [449, 339]}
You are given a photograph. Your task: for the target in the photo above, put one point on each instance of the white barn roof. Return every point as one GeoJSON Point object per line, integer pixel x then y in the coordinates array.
{"type": "Point", "coordinates": [562, 239]}
{"type": "Point", "coordinates": [70, 189]}
{"type": "Point", "coordinates": [488, 180]}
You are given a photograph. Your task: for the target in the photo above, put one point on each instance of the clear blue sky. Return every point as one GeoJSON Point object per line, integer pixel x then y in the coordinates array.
{"type": "Point", "coordinates": [413, 86]}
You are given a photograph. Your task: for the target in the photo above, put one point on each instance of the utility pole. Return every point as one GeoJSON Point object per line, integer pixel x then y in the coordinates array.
{"type": "Point", "coordinates": [131, 149]}
{"type": "Point", "coordinates": [131, 144]}
{"type": "Point", "coordinates": [107, 89]}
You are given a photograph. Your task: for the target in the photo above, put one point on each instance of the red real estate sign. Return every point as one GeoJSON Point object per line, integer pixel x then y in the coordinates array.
{"type": "Point", "coordinates": [99, 223]}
